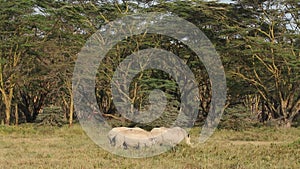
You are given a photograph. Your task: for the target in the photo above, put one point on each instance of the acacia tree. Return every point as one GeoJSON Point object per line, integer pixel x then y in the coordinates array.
{"type": "Point", "coordinates": [201, 14]}
{"type": "Point", "coordinates": [71, 27]}
{"type": "Point", "coordinates": [16, 37]}
{"type": "Point", "coordinates": [74, 22]}
{"type": "Point", "coordinates": [39, 42]}
{"type": "Point", "coordinates": [263, 40]}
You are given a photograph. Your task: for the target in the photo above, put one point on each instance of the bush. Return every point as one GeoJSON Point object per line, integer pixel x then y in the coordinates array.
{"type": "Point", "coordinates": [237, 118]}
{"type": "Point", "coordinates": [52, 116]}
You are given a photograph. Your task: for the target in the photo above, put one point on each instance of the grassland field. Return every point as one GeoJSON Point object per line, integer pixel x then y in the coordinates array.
{"type": "Point", "coordinates": [30, 146]}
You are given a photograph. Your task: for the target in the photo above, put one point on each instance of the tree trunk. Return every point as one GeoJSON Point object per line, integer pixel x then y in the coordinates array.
{"type": "Point", "coordinates": [16, 115]}
{"type": "Point", "coordinates": [8, 99]}
{"type": "Point", "coordinates": [286, 123]}
{"type": "Point", "coordinates": [7, 114]}
{"type": "Point", "coordinates": [71, 112]}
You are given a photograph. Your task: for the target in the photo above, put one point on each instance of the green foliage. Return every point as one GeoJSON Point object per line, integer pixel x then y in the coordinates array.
{"type": "Point", "coordinates": [263, 55]}
{"type": "Point", "coordinates": [52, 116]}
{"type": "Point", "coordinates": [258, 43]}
{"type": "Point", "coordinates": [237, 118]}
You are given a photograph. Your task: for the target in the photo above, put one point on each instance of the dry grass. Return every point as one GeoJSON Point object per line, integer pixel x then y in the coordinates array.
{"type": "Point", "coordinates": [27, 146]}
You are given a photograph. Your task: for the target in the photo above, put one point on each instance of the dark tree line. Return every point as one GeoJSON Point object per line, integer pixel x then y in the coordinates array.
{"type": "Point", "coordinates": [258, 42]}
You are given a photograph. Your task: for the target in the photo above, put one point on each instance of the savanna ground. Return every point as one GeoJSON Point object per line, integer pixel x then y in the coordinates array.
{"type": "Point", "coordinates": [29, 146]}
